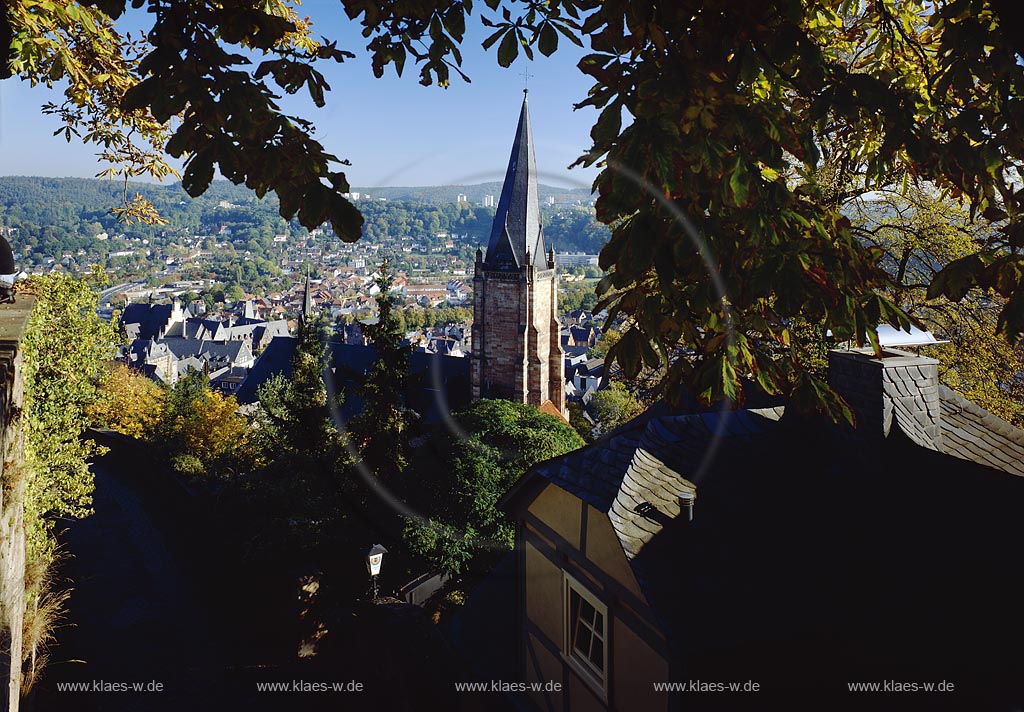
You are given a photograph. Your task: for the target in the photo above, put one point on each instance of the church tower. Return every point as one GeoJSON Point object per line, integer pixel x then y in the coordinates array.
{"type": "Point", "coordinates": [517, 349]}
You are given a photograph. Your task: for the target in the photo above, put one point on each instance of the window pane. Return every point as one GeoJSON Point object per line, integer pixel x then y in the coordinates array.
{"type": "Point", "coordinates": [587, 612]}
{"type": "Point", "coordinates": [582, 643]}
{"type": "Point", "coordinates": [597, 654]}
{"type": "Point", "coordinates": [587, 632]}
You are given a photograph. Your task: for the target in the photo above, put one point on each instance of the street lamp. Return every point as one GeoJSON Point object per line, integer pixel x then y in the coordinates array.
{"type": "Point", "coordinates": [374, 559]}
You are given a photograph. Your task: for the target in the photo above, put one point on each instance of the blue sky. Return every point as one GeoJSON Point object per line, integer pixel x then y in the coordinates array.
{"type": "Point", "coordinates": [394, 131]}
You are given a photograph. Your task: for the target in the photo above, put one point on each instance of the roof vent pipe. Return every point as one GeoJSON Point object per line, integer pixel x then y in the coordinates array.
{"type": "Point", "coordinates": [686, 502]}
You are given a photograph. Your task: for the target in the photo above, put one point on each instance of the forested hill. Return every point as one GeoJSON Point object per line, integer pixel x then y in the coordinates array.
{"type": "Point", "coordinates": [81, 206]}
{"type": "Point", "coordinates": [60, 214]}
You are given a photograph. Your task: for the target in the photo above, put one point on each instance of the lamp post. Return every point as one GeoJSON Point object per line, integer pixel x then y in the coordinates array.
{"type": "Point", "coordinates": [374, 560]}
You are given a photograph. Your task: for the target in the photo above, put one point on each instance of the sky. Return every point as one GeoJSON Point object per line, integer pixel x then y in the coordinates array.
{"type": "Point", "coordinates": [394, 131]}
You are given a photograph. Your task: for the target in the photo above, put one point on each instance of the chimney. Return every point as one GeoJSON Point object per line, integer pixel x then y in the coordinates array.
{"type": "Point", "coordinates": [899, 390]}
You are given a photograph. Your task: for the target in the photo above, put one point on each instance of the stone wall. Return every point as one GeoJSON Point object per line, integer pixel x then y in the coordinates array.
{"type": "Point", "coordinates": [13, 321]}
{"type": "Point", "coordinates": [517, 352]}
{"type": "Point", "coordinates": [499, 336]}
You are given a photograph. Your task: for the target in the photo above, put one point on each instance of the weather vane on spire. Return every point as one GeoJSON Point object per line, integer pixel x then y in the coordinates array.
{"type": "Point", "coordinates": [525, 74]}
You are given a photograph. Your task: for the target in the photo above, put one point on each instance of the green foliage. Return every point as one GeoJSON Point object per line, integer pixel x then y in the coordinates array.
{"type": "Point", "coordinates": [293, 421]}
{"type": "Point", "coordinates": [612, 406]}
{"type": "Point", "coordinates": [574, 229]}
{"type": "Point", "coordinates": [301, 493]}
{"type": "Point", "coordinates": [980, 365]}
{"type": "Point", "coordinates": [201, 430]}
{"type": "Point", "coordinates": [572, 297]}
{"type": "Point", "coordinates": [503, 440]}
{"type": "Point", "coordinates": [449, 548]}
{"type": "Point", "coordinates": [579, 422]}
{"type": "Point", "coordinates": [65, 347]}
{"type": "Point", "coordinates": [609, 337]}
{"type": "Point", "coordinates": [381, 428]}
{"type": "Point", "coordinates": [188, 465]}
{"type": "Point", "coordinates": [917, 232]}
{"type": "Point", "coordinates": [419, 318]}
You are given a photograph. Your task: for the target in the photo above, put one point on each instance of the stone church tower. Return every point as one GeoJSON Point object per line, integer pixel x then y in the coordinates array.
{"type": "Point", "coordinates": [517, 350]}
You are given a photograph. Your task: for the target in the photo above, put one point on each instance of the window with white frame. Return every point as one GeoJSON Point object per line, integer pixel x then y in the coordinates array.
{"type": "Point", "coordinates": [586, 631]}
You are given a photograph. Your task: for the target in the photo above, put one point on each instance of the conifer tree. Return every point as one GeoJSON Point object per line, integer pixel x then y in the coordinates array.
{"type": "Point", "coordinates": [293, 418]}
{"type": "Point", "coordinates": [380, 429]}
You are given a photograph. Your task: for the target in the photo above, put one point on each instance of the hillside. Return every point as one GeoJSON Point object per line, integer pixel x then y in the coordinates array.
{"type": "Point", "coordinates": [57, 216]}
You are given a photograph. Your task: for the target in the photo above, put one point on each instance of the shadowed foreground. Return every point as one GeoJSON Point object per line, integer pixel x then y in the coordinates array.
{"type": "Point", "coordinates": [150, 607]}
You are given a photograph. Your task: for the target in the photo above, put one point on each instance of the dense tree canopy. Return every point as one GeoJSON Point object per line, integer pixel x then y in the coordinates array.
{"type": "Point", "coordinates": [458, 485]}
{"type": "Point", "coordinates": [129, 402]}
{"type": "Point", "coordinates": [720, 128]}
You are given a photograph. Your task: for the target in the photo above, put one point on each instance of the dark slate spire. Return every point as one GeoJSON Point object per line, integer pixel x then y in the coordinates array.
{"type": "Point", "coordinates": [516, 238]}
{"type": "Point", "coordinates": [307, 298]}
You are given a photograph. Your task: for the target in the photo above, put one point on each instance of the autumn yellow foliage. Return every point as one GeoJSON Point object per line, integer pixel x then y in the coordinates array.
{"type": "Point", "coordinates": [129, 403]}
{"type": "Point", "coordinates": [214, 428]}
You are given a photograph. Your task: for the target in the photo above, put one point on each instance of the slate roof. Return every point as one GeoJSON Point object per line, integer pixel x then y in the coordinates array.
{"type": "Point", "coordinates": [444, 345]}
{"type": "Point", "coordinates": [592, 368]}
{"type": "Point", "coordinates": [146, 321]}
{"type": "Point", "coordinates": [646, 463]}
{"type": "Point", "coordinates": [199, 328]}
{"type": "Point", "coordinates": [143, 349]}
{"type": "Point", "coordinates": [276, 358]}
{"type": "Point", "coordinates": [258, 330]}
{"type": "Point", "coordinates": [437, 385]}
{"type": "Point", "coordinates": [625, 473]}
{"type": "Point", "coordinates": [594, 473]}
{"type": "Point", "coordinates": [516, 229]}
{"type": "Point", "coordinates": [217, 352]}
{"type": "Point", "coordinates": [583, 335]}
{"type": "Point", "coordinates": [970, 432]}
{"type": "Point", "coordinates": [308, 305]}
{"type": "Point", "coordinates": [263, 334]}
{"type": "Point", "coordinates": [190, 363]}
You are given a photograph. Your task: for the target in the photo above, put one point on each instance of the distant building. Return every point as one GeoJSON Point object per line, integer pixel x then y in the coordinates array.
{"type": "Point", "coordinates": [488, 201]}
{"type": "Point", "coordinates": [576, 259]}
